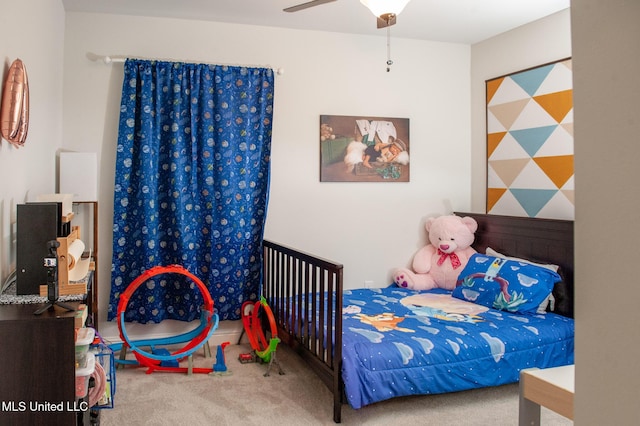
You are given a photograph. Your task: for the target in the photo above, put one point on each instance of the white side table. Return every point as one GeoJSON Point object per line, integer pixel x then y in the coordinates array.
{"type": "Point", "coordinates": [552, 388]}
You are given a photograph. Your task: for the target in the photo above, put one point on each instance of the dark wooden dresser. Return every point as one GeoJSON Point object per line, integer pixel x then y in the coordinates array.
{"type": "Point", "coordinates": [37, 366]}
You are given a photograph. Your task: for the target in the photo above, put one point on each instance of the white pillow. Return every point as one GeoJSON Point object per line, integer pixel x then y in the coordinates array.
{"type": "Point", "coordinates": [549, 302]}
{"type": "Point", "coordinates": [492, 252]}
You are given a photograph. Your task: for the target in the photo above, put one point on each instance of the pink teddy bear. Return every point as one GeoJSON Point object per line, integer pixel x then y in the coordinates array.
{"type": "Point", "coordinates": [438, 264]}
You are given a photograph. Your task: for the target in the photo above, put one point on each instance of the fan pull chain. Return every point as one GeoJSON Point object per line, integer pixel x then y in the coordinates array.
{"type": "Point", "coordinates": [389, 61]}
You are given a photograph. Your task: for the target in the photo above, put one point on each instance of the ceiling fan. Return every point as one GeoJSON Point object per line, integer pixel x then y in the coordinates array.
{"type": "Point", "coordinates": [384, 10]}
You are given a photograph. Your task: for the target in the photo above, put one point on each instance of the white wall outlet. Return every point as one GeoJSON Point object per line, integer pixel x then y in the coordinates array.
{"type": "Point", "coordinates": [368, 283]}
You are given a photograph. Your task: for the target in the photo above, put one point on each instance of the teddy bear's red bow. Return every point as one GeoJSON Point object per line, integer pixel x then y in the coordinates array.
{"type": "Point", "coordinates": [455, 261]}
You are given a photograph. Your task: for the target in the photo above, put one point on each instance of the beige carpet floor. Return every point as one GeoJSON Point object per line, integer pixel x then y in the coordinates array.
{"type": "Point", "coordinates": [245, 397]}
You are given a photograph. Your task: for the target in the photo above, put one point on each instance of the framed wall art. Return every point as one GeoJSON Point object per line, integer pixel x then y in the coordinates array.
{"type": "Point", "coordinates": [364, 149]}
{"type": "Point", "coordinates": [530, 142]}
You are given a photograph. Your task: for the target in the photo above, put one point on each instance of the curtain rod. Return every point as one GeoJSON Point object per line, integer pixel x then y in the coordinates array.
{"type": "Point", "coordinates": [106, 59]}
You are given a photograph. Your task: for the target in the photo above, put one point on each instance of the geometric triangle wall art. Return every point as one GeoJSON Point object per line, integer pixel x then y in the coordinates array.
{"type": "Point", "coordinates": [558, 168]}
{"type": "Point", "coordinates": [533, 200]}
{"type": "Point", "coordinates": [530, 168]}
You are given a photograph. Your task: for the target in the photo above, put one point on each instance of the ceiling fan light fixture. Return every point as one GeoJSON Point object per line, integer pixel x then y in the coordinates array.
{"type": "Point", "coordinates": [386, 20]}
{"type": "Point", "coordinates": [385, 7]}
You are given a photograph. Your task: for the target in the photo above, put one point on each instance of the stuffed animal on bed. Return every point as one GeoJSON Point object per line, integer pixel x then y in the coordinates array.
{"type": "Point", "coordinates": [439, 263]}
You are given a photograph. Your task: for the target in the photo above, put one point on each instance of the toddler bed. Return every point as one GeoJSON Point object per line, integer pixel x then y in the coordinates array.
{"type": "Point", "coordinates": [368, 345]}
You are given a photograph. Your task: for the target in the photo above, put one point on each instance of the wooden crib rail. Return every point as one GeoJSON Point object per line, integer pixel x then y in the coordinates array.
{"type": "Point", "coordinates": [305, 295]}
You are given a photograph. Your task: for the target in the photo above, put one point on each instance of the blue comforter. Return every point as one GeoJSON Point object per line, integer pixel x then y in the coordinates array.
{"type": "Point", "coordinates": [399, 342]}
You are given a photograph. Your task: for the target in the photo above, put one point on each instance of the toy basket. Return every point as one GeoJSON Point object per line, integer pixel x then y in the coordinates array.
{"type": "Point", "coordinates": [104, 357]}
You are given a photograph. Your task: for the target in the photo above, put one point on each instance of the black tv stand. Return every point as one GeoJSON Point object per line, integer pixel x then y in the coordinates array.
{"type": "Point", "coordinates": [38, 365]}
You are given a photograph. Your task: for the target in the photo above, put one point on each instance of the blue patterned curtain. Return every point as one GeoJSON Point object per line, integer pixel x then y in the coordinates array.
{"type": "Point", "coordinates": [191, 186]}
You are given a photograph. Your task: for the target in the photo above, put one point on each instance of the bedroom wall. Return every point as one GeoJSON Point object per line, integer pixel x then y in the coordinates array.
{"type": "Point", "coordinates": [371, 228]}
{"type": "Point", "coordinates": [34, 32]}
{"type": "Point", "coordinates": [540, 42]}
{"type": "Point", "coordinates": [607, 125]}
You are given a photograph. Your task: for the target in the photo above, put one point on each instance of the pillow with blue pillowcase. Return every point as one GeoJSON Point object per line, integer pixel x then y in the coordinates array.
{"type": "Point", "coordinates": [512, 285]}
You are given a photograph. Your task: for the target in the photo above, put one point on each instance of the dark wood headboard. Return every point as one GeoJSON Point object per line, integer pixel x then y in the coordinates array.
{"type": "Point", "coordinates": [541, 240]}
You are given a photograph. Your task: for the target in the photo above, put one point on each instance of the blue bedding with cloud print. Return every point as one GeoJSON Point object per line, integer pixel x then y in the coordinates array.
{"type": "Point", "coordinates": [399, 342]}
